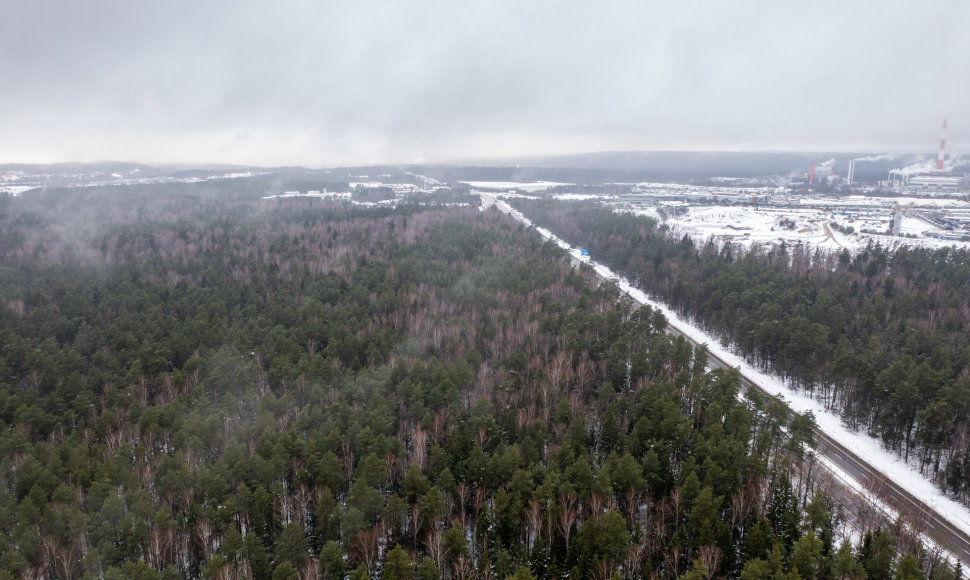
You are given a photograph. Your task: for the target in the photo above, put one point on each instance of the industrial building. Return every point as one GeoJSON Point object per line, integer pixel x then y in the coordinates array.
{"type": "Point", "coordinates": [938, 180]}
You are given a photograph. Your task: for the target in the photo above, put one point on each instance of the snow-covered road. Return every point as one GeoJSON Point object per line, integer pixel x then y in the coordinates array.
{"type": "Point", "coordinates": [868, 448]}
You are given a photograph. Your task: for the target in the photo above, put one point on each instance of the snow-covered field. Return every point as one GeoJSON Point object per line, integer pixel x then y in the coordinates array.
{"type": "Point", "coordinates": [579, 196]}
{"type": "Point", "coordinates": [868, 448]}
{"type": "Point", "coordinates": [749, 225]}
{"type": "Point", "coordinates": [323, 194]}
{"type": "Point", "coordinates": [16, 190]}
{"type": "Point", "coordinates": [530, 187]}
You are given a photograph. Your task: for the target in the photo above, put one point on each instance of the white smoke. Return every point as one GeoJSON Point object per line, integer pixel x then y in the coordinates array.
{"type": "Point", "coordinates": [927, 166]}
{"type": "Point", "coordinates": [826, 165]}
{"type": "Point", "coordinates": [886, 156]}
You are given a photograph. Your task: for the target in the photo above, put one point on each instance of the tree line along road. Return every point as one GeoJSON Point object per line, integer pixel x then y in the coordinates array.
{"type": "Point", "coordinates": [929, 521]}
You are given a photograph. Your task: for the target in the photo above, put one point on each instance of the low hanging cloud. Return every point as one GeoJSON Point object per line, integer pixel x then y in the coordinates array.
{"type": "Point", "coordinates": [380, 81]}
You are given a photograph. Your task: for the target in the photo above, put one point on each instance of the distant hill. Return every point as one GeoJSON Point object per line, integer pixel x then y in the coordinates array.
{"type": "Point", "coordinates": [679, 165]}
{"type": "Point", "coordinates": [584, 168]}
{"type": "Point", "coordinates": [613, 166]}
{"type": "Point", "coordinates": [106, 167]}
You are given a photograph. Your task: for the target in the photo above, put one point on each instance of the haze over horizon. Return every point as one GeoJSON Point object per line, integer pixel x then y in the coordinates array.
{"type": "Point", "coordinates": [305, 83]}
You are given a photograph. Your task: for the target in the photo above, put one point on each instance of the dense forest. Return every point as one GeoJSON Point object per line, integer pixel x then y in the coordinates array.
{"type": "Point", "coordinates": [199, 385]}
{"type": "Point", "coordinates": [880, 335]}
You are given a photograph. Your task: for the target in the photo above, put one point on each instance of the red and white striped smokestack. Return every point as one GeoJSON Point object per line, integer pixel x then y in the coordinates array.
{"type": "Point", "coordinates": [939, 158]}
{"type": "Point", "coordinates": [811, 175]}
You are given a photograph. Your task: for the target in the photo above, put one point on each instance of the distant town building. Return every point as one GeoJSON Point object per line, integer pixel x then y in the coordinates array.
{"type": "Point", "coordinates": [939, 180]}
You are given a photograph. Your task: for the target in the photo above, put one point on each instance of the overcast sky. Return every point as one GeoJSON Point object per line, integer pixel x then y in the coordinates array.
{"type": "Point", "coordinates": [322, 83]}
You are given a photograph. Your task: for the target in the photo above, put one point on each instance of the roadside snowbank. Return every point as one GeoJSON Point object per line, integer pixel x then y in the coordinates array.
{"type": "Point", "coordinates": [868, 448]}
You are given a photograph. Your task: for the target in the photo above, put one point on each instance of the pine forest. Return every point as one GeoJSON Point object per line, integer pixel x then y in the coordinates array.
{"type": "Point", "coordinates": [195, 383]}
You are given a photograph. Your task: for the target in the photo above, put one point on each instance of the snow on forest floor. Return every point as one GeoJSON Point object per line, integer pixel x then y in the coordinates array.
{"type": "Point", "coordinates": [868, 448]}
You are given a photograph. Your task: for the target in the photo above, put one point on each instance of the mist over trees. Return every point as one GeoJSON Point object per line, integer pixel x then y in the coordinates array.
{"type": "Point", "coordinates": [210, 386]}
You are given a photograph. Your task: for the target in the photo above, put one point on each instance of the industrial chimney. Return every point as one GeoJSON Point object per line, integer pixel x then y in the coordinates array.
{"type": "Point", "coordinates": [939, 158]}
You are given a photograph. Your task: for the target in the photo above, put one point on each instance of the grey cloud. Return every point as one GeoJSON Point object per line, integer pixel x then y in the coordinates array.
{"type": "Point", "coordinates": [323, 83]}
